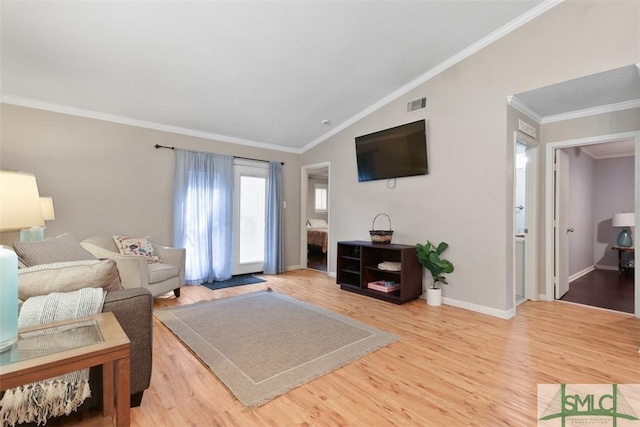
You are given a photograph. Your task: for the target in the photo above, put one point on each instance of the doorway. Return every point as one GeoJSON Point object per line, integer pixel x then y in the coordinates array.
{"type": "Point", "coordinates": [249, 216]}
{"type": "Point", "coordinates": [315, 215]}
{"type": "Point", "coordinates": [557, 227]}
{"type": "Point", "coordinates": [525, 218]}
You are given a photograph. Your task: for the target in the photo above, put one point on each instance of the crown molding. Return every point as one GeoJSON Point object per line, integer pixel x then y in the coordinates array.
{"type": "Point", "coordinates": [460, 56]}
{"type": "Point", "coordinates": [585, 150]}
{"type": "Point", "coordinates": [516, 103]}
{"type": "Point", "coordinates": [603, 109]}
{"type": "Point", "coordinates": [496, 35]}
{"type": "Point", "coordinates": [63, 109]}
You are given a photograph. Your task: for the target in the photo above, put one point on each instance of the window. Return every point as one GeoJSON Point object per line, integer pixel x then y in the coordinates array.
{"type": "Point", "coordinates": [250, 196]}
{"type": "Point", "coordinates": [320, 197]}
{"type": "Point", "coordinates": [253, 194]}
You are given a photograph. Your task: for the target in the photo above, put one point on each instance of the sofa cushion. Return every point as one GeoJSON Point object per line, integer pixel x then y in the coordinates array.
{"type": "Point", "coordinates": [161, 272]}
{"type": "Point", "coordinates": [69, 276]}
{"type": "Point", "coordinates": [136, 246]}
{"type": "Point", "coordinates": [53, 249]}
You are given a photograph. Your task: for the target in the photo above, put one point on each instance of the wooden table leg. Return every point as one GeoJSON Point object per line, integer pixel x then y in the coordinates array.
{"type": "Point", "coordinates": [123, 392]}
{"type": "Point", "coordinates": [107, 388]}
{"type": "Point", "coordinates": [620, 266]}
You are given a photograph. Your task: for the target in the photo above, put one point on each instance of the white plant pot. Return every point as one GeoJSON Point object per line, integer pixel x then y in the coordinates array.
{"type": "Point", "coordinates": [434, 296]}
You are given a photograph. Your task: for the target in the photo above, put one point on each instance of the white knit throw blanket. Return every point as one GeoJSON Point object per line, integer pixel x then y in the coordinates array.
{"type": "Point", "coordinates": [39, 401]}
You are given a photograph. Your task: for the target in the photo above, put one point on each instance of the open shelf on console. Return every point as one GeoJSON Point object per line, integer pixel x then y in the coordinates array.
{"type": "Point", "coordinates": [357, 265]}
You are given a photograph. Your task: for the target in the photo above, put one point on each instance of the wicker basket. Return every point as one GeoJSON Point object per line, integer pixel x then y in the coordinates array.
{"type": "Point", "coordinates": [382, 237]}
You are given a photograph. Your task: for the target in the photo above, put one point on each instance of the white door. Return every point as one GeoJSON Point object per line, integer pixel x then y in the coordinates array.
{"type": "Point", "coordinates": [562, 229]}
{"type": "Point", "coordinates": [249, 215]}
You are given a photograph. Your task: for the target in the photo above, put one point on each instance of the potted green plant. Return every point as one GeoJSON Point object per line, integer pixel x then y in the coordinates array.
{"type": "Point", "coordinates": [429, 256]}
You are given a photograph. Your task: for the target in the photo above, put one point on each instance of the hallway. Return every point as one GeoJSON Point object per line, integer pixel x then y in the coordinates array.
{"type": "Point", "coordinates": [605, 289]}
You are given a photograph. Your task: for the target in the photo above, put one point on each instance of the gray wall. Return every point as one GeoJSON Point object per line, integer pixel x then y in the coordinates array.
{"type": "Point", "coordinates": [467, 199]}
{"type": "Point", "coordinates": [106, 178]}
{"type": "Point", "coordinates": [102, 174]}
{"type": "Point", "coordinates": [614, 193]}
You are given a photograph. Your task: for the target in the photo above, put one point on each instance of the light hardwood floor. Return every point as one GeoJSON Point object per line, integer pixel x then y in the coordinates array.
{"type": "Point", "coordinates": [452, 367]}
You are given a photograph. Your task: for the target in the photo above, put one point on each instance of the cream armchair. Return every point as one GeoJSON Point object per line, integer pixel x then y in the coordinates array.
{"type": "Point", "coordinates": [135, 272]}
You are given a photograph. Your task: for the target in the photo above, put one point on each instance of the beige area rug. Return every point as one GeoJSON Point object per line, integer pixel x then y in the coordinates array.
{"type": "Point", "coordinates": [262, 344]}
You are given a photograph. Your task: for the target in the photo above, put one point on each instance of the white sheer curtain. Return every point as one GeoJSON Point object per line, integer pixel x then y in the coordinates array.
{"type": "Point", "coordinates": [203, 214]}
{"type": "Point", "coordinates": [274, 233]}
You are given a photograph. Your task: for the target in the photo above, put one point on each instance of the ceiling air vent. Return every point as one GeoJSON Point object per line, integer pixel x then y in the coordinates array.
{"type": "Point", "coordinates": [417, 104]}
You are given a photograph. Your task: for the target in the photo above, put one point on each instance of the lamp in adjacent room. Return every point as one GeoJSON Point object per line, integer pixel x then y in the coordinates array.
{"type": "Point", "coordinates": [624, 220]}
{"type": "Point", "coordinates": [19, 209]}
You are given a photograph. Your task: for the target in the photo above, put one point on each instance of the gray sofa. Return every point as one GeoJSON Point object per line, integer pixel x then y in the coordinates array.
{"type": "Point", "coordinates": [61, 265]}
{"type": "Point", "coordinates": [134, 310]}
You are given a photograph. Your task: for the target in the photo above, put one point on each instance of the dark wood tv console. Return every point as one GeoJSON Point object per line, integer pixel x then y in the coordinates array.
{"type": "Point", "coordinates": [357, 266]}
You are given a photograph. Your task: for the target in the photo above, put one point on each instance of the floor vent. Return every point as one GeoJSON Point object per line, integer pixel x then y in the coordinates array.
{"type": "Point", "coordinates": [417, 104]}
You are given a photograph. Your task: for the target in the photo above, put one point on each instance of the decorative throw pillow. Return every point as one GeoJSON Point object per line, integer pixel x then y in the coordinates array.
{"type": "Point", "coordinates": [136, 246]}
{"type": "Point", "coordinates": [67, 277]}
{"type": "Point", "coordinates": [62, 248]}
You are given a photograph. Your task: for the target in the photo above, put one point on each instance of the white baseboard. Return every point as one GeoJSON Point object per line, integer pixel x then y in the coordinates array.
{"type": "Point", "coordinates": [299, 267]}
{"type": "Point", "coordinates": [579, 274]}
{"type": "Point", "coordinates": [606, 267]}
{"type": "Point", "coordinates": [502, 314]}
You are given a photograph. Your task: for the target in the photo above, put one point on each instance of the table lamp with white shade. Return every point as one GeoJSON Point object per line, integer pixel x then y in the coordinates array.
{"type": "Point", "coordinates": [19, 209]}
{"type": "Point", "coordinates": [48, 213]}
{"type": "Point", "coordinates": [625, 220]}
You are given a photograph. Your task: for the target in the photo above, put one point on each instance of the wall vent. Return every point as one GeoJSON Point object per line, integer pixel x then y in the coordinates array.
{"type": "Point", "coordinates": [417, 104]}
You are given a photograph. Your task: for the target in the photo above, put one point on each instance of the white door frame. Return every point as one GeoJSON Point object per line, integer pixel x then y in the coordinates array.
{"type": "Point", "coordinates": [304, 191]}
{"type": "Point", "coordinates": [531, 221]}
{"type": "Point", "coordinates": [549, 241]}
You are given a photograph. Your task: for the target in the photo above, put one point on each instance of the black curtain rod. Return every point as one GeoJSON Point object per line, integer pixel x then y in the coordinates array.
{"type": "Point", "coordinates": [235, 157]}
{"type": "Point", "coordinates": [255, 160]}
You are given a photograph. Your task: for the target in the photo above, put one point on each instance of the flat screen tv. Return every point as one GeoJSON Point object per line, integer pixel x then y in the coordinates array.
{"type": "Point", "coordinates": [393, 153]}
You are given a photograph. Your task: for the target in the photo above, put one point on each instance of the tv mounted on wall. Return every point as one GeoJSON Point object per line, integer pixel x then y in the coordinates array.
{"type": "Point", "coordinates": [393, 153]}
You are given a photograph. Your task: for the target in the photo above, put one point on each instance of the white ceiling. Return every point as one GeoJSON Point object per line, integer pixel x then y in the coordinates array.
{"type": "Point", "coordinates": [262, 73]}
{"type": "Point", "coordinates": [609, 88]}
{"type": "Point", "coordinates": [612, 90]}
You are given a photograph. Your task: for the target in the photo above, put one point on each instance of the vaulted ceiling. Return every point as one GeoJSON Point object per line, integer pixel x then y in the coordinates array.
{"type": "Point", "coordinates": [263, 73]}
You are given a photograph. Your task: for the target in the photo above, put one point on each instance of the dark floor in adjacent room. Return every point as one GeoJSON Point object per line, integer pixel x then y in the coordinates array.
{"type": "Point", "coordinates": [605, 289]}
{"type": "Point", "coordinates": [316, 259]}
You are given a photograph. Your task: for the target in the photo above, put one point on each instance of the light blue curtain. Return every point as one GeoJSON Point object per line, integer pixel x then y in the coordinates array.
{"type": "Point", "coordinates": [274, 233]}
{"type": "Point", "coordinates": [203, 214]}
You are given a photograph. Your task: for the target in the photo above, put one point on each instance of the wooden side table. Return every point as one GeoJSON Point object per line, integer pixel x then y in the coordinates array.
{"type": "Point", "coordinates": [625, 257]}
{"type": "Point", "coordinates": [103, 343]}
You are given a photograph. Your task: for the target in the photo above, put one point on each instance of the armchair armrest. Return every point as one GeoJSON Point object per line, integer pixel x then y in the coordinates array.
{"type": "Point", "coordinates": [133, 269]}
{"type": "Point", "coordinates": [172, 256]}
